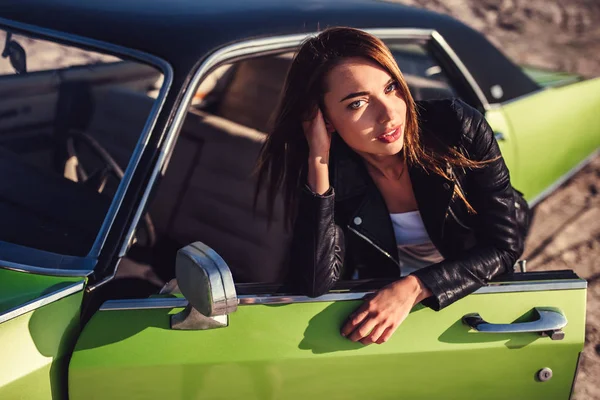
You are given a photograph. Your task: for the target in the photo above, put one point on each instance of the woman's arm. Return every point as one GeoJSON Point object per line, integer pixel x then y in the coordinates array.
{"type": "Point", "coordinates": [318, 173]}
{"type": "Point", "coordinates": [317, 248]}
{"type": "Point", "coordinates": [499, 241]}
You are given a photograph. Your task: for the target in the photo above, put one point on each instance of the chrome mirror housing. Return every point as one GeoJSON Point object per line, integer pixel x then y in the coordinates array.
{"type": "Point", "coordinates": [205, 281]}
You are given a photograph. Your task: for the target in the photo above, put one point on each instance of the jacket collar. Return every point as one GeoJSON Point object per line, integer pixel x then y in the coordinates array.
{"type": "Point", "coordinates": [351, 181]}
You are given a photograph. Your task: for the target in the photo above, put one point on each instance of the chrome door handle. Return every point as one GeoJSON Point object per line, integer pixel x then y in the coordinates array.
{"type": "Point", "coordinates": [499, 136]}
{"type": "Point", "coordinates": [549, 321]}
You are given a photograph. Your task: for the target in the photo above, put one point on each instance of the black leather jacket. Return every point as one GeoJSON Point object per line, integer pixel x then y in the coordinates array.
{"type": "Point", "coordinates": [349, 229]}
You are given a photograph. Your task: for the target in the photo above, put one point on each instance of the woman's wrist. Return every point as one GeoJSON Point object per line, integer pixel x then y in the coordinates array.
{"type": "Point", "coordinates": [318, 173]}
{"type": "Point", "coordinates": [420, 291]}
{"type": "Point", "coordinates": [318, 156]}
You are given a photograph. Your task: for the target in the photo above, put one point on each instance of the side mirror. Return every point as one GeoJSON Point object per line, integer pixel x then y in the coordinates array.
{"type": "Point", "coordinates": [16, 54]}
{"type": "Point", "coordinates": [205, 280]}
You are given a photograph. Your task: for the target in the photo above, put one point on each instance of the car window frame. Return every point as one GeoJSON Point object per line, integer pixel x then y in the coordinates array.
{"type": "Point", "coordinates": [84, 266]}
{"type": "Point", "coordinates": [252, 48]}
{"type": "Point", "coordinates": [281, 44]}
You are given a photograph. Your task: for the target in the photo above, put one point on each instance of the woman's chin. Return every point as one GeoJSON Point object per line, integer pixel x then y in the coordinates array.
{"type": "Point", "coordinates": [389, 149]}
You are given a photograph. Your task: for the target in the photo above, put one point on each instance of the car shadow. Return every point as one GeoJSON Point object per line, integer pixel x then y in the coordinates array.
{"type": "Point", "coordinates": [322, 335]}
{"type": "Point", "coordinates": [53, 329]}
{"type": "Point", "coordinates": [137, 322]}
{"type": "Point", "coordinates": [56, 328]}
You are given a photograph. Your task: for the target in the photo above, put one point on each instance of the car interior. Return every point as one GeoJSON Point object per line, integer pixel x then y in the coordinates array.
{"type": "Point", "coordinates": [50, 199]}
{"type": "Point", "coordinates": [86, 122]}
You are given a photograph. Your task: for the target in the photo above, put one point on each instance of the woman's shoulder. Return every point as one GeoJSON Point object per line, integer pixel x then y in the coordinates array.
{"type": "Point", "coordinates": [449, 118]}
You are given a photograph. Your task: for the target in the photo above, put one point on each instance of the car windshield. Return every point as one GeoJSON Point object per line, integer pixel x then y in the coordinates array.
{"type": "Point", "coordinates": [70, 120]}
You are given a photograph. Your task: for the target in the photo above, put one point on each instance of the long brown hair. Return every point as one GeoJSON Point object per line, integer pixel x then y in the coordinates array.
{"type": "Point", "coordinates": [282, 163]}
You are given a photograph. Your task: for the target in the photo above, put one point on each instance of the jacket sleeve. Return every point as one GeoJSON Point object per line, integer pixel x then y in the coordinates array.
{"type": "Point", "coordinates": [499, 241]}
{"type": "Point", "coordinates": [317, 248]}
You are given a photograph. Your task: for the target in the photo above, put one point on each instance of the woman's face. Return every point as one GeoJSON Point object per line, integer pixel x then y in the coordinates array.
{"type": "Point", "coordinates": [363, 104]}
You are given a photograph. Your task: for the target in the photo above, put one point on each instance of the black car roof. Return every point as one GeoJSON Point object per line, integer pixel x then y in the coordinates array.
{"type": "Point", "coordinates": [184, 31]}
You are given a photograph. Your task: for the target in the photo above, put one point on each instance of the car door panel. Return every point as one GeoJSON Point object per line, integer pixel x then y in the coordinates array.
{"type": "Point", "coordinates": [18, 288]}
{"type": "Point", "coordinates": [507, 142]}
{"type": "Point", "coordinates": [556, 129]}
{"type": "Point", "coordinates": [39, 321]}
{"type": "Point", "coordinates": [295, 351]}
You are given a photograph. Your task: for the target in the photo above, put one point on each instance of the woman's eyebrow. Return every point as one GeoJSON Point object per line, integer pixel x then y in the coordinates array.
{"type": "Point", "coordinates": [357, 94]}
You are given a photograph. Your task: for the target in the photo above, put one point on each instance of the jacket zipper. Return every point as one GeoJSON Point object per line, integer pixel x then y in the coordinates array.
{"type": "Point", "coordinates": [456, 218]}
{"type": "Point", "coordinates": [385, 253]}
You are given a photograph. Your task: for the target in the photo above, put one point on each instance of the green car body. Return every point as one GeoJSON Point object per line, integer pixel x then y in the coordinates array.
{"type": "Point", "coordinates": [58, 339]}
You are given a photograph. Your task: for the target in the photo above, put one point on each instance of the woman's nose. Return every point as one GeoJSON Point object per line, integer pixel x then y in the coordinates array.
{"type": "Point", "coordinates": [386, 112]}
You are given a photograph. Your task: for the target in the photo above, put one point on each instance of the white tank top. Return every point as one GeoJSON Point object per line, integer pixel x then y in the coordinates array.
{"type": "Point", "coordinates": [415, 249]}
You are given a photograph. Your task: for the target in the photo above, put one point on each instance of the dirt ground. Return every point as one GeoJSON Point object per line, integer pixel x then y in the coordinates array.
{"type": "Point", "coordinates": [564, 36]}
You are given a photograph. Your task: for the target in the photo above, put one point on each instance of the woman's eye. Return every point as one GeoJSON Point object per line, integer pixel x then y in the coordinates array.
{"type": "Point", "coordinates": [355, 105]}
{"type": "Point", "coordinates": [391, 87]}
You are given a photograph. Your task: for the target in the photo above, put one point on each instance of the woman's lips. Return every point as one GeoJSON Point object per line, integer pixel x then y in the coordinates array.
{"type": "Point", "coordinates": [391, 136]}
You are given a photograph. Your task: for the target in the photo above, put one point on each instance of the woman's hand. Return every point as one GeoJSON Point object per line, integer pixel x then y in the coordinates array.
{"type": "Point", "coordinates": [319, 142]}
{"type": "Point", "coordinates": [379, 316]}
{"type": "Point", "coordinates": [319, 139]}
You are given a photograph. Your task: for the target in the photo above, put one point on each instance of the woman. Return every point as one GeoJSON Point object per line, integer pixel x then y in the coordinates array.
{"type": "Point", "coordinates": [381, 186]}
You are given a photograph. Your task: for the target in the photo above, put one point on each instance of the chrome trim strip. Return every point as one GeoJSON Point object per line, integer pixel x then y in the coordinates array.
{"type": "Point", "coordinates": [96, 45]}
{"type": "Point", "coordinates": [30, 269]}
{"type": "Point", "coordinates": [282, 299]}
{"type": "Point", "coordinates": [143, 304]}
{"type": "Point", "coordinates": [21, 258]}
{"type": "Point", "coordinates": [225, 54]}
{"type": "Point", "coordinates": [91, 288]}
{"type": "Point", "coordinates": [346, 296]}
{"type": "Point", "coordinates": [41, 301]}
{"type": "Point", "coordinates": [539, 286]}
{"type": "Point", "coordinates": [564, 178]}
{"type": "Point", "coordinates": [155, 303]}
{"type": "Point", "coordinates": [439, 39]}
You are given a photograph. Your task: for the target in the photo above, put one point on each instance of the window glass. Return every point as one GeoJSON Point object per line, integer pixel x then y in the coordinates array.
{"type": "Point", "coordinates": [424, 76]}
{"type": "Point", "coordinates": [207, 191]}
{"type": "Point", "coordinates": [69, 122]}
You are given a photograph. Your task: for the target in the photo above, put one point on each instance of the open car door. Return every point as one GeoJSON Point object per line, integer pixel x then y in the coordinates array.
{"type": "Point", "coordinates": [517, 338]}
{"type": "Point", "coordinates": [39, 321]}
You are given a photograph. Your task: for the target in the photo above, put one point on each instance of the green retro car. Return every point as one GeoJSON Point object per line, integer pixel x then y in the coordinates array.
{"type": "Point", "coordinates": [128, 136]}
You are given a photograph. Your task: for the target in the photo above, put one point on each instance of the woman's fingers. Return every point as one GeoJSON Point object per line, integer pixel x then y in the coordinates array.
{"type": "Point", "coordinates": [354, 320]}
{"type": "Point", "coordinates": [315, 130]}
{"type": "Point", "coordinates": [379, 316]}
{"type": "Point", "coordinates": [363, 330]}
{"type": "Point", "coordinates": [387, 334]}
{"type": "Point", "coordinates": [314, 122]}
{"type": "Point", "coordinates": [375, 334]}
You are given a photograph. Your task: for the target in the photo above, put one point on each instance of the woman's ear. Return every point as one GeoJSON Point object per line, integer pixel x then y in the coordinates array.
{"type": "Point", "coordinates": [329, 126]}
